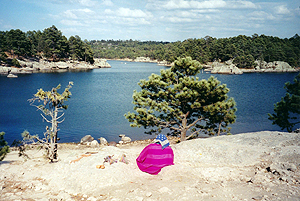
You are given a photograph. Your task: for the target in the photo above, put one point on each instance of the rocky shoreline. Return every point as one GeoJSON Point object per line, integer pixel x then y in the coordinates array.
{"type": "Point", "coordinates": [260, 67]}
{"type": "Point", "coordinates": [28, 66]}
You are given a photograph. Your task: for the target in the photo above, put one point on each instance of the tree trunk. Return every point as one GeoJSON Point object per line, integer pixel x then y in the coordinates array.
{"type": "Point", "coordinates": [183, 135]}
{"type": "Point", "coordinates": [184, 128]}
{"type": "Point", "coordinates": [219, 130]}
{"type": "Point", "coordinates": [53, 136]}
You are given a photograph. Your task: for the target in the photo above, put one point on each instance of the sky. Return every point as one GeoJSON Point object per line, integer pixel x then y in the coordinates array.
{"type": "Point", "coordinates": [153, 20]}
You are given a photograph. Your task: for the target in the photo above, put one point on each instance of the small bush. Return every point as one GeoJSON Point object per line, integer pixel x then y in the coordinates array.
{"type": "Point", "coordinates": [4, 149]}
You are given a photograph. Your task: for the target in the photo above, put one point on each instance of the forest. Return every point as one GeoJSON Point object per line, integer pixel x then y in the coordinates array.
{"type": "Point", "coordinates": [48, 44]}
{"type": "Point", "coordinates": [51, 44]}
{"type": "Point", "coordinates": [244, 50]}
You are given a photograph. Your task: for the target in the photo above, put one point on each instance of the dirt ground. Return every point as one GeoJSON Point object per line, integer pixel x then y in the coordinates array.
{"type": "Point", "coordinates": [250, 166]}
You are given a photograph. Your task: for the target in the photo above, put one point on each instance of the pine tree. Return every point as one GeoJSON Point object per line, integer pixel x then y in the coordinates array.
{"type": "Point", "coordinates": [287, 111]}
{"type": "Point", "coordinates": [179, 101]}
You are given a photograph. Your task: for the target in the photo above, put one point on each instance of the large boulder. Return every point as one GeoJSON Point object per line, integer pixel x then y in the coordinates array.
{"type": "Point", "coordinates": [86, 139]}
{"type": "Point", "coordinates": [103, 141]}
{"type": "Point", "coordinates": [62, 65]}
{"type": "Point", "coordinates": [124, 139]}
{"type": "Point", "coordinates": [94, 143]}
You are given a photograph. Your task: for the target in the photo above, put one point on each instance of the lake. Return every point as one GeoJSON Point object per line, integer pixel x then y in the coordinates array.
{"type": "Point", "coordinates": [101, 97]}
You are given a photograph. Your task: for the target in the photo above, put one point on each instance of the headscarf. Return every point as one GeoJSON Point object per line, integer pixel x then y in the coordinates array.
{"type": "Point", "coordinates": [162, 139]}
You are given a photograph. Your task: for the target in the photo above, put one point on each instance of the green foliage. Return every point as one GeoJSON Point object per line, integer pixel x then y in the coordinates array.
{"type": "Point", "coordinates": [244, 49]}
{"type": "Point", "coordinates": [179, 101]}
{"type": "Point", "coordinates": [287, 111]}
{"type": "Point", "coordinates": [244, 61]}
{"type": "Point", "coordinates": [49, 43]}
{"type": "Point", "coordinates": [4, 149]}
{"type": "Point", "coordinates": [51, 104]}
{"type": "Point", "coordinates": [15, 62]}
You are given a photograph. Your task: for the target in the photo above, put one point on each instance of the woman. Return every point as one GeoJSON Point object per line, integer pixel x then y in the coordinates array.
{"type": "Point", "coordinates": [156, 156]}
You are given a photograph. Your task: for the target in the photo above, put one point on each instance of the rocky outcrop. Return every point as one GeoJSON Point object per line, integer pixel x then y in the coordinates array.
{"type": "Point", "coordinates": [275, 66]}
{"type": "Point", "coordinates": [145, 59]}
{"type": "Point", "coordinates": [101, 63]}
{"type": "Point", "coordinates": [260, 67]}
{"type": "Point", "coordinates": [225, 68]}
{"type": "Point", "coordinates": [35, 66]}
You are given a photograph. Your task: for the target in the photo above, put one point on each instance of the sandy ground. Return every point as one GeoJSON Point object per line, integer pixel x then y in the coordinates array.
{"type": "Point", "coordinates": [252, 166]}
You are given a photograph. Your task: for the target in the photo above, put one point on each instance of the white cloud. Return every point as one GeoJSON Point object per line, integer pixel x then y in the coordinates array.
{"type": "Point", "coordinates": [126, 12]}
{"type": "Point", "coordinates": [107, 2]}
{"type": "Point", "coordinates": [261, 15]}
{"type": "Point", "coordinates": [178, 19]}
{"type": "Point", "coordinates": [88, 3]}
{"type": "Point", "coordinates": [195, 18]}
{"type": "Point", "coordinates": [127, 16]}
{"type": "Point", "coordinates": [78, 13]}
{"type": "Point", "coordinates": [282, 10]}
{"type": "Point", "coordinates": [240, 4]}
{"type": "Point", "coordinates": [198, 4]}
{"type": "Point", "coordinates": [70, 14]}
{"type": "Point", "coordinates": [183, 4]}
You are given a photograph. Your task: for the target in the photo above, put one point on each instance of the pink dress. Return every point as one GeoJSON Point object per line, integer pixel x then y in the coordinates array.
{"type": "Point", "coordinates": [152, 159]}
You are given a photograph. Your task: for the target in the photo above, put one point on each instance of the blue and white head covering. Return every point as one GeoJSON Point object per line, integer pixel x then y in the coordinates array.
{"type": "Point", "coordinates": [162, 139]}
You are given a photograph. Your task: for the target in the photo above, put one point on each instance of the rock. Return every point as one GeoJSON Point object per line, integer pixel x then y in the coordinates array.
{"type": "Point", "coordinates": [145, 59]}
{"type": "Point", "coordinates": [62, 65]}
{"type": "Point", "coordinates": [275, 66]}
{"type": "Point", "coordinates": [112, 143]}
{"type": "Point", "coordinates": [148, 194]}
{"type": "Point", "coordinates": [85, 139]}
{"type": "Point", "coordinates": [163, 63]}
{"type": "Point", "coordinates": [94, 143]}
{"type": "Point", "coordinates": [296, 131]}
{"type": "Point", "coordinates": [125, 139]}
{"type": "Point", "coordinates": [103, 141]}
{"type": "Point", "coordinates": [227, 68]}
{"type": "Point", "coordinates": [12, 75]}
{"type": "Point", "coordinates": [101, 63]}
{"type": "Point", "coordinates": [40, 65]}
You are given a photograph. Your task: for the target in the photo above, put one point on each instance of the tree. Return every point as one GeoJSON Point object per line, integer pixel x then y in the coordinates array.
{"type": "Point", "coordinates": [4, 149]}
{"type": "Point", "coordinates": [179, 101]}
{"type": "Point", "coordinates": [17, 42]}
{"type": "Point", "coordinates": [287, 111]}
{"type": "Point", "coordinates": [55, 43]}
{"type": "Point", "coordinates": [52, 104]}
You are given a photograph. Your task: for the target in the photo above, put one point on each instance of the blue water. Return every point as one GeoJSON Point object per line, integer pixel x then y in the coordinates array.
{"type": "Point", "coordinates": [101, 97]}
